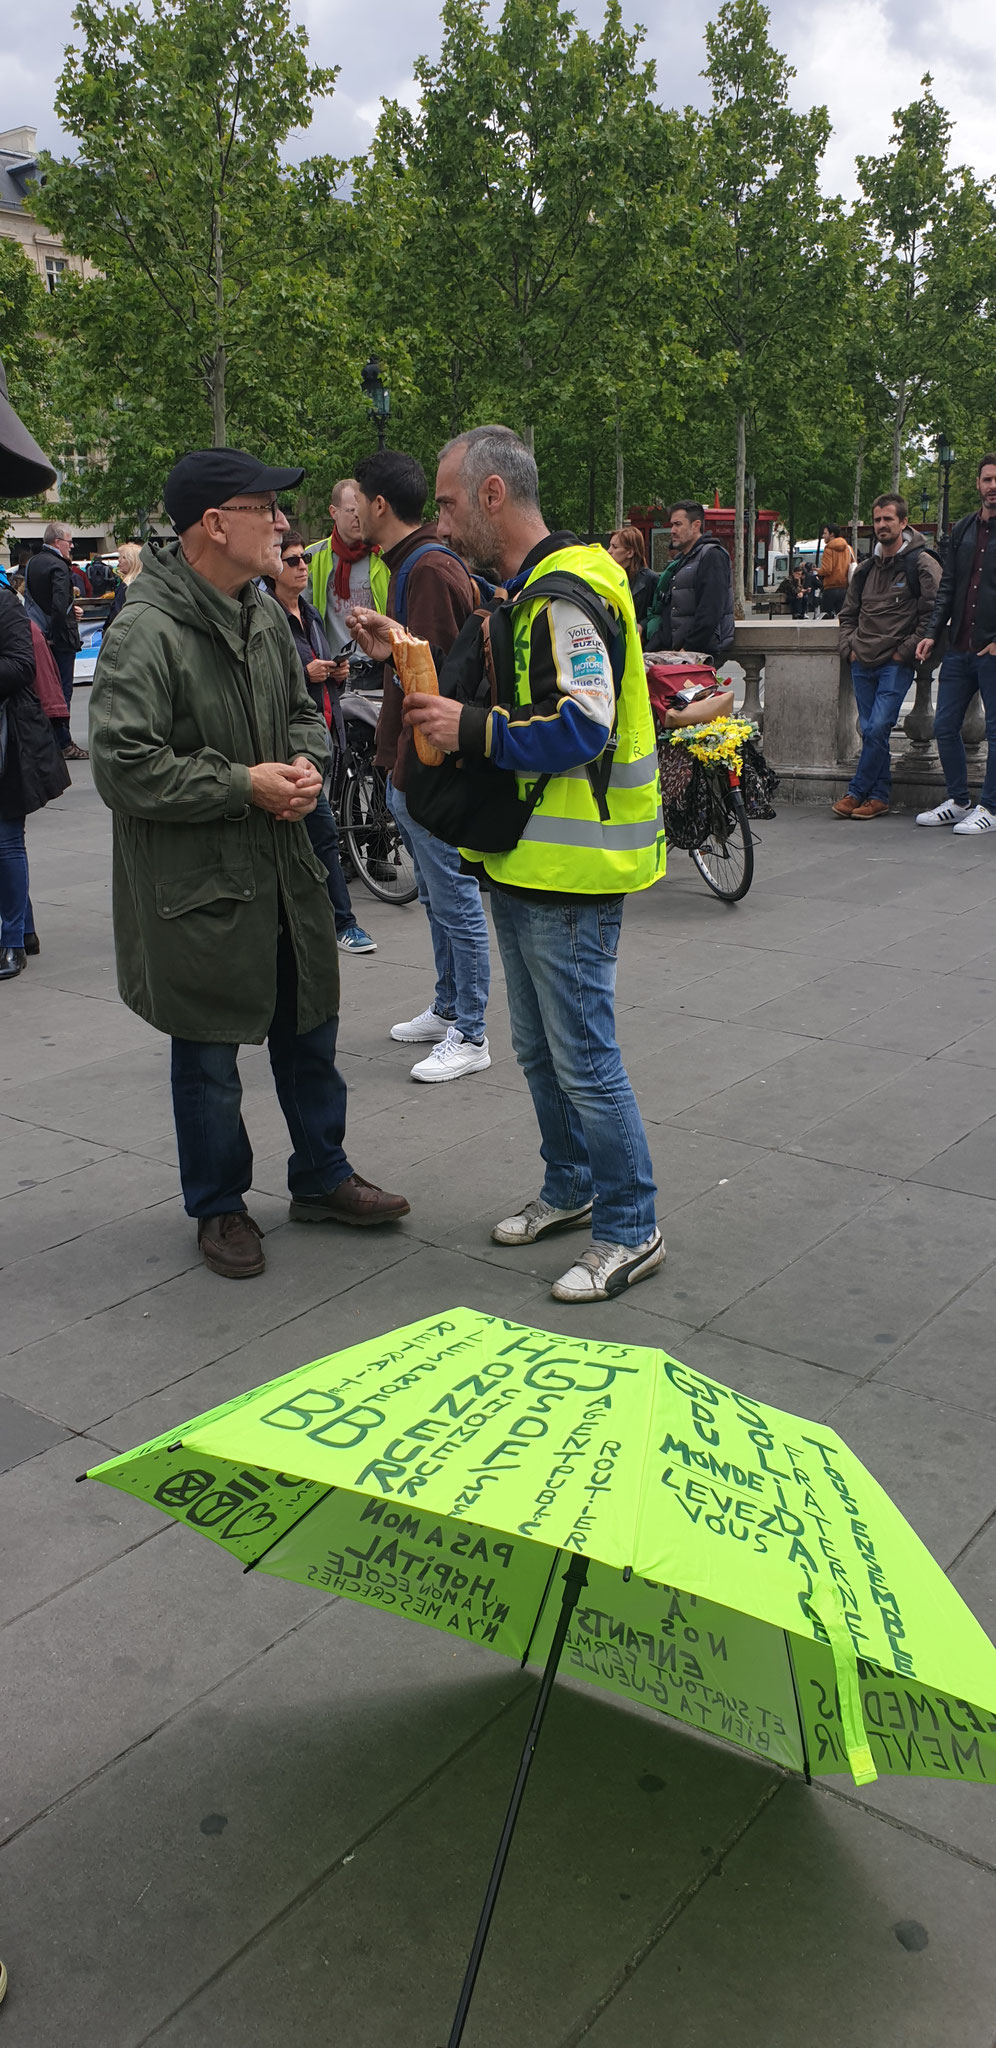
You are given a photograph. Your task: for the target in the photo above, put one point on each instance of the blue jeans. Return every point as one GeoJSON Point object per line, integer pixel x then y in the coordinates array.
{"type": "Point", "coordinates": [879, 694]}
{"type": "Point", "coordinates": [452, 903]}
{"type": "Point", "coordinates": [15, 904]}
{"type": "Point", "coordinates": [212, 1140]}
{"type": "Point", "coordinates": [65, 662]}
{"type": "Point", "coordinates": [560, 973]}
{"type": "Point", "coordinates": [323, 833]}
{"type": "Point", "coordinates": [961, 675]}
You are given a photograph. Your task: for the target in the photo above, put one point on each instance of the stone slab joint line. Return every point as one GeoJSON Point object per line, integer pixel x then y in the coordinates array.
{"type": "Point", "coordinates": [583, 2026]}
{"type": "Point", "coordinates": [345, 1857]}
{"type": "Point", "coordinates": [197, 1699]}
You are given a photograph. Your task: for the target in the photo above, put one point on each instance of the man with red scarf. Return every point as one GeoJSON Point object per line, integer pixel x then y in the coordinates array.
{"type": "Point", "coordinates": [345, 570]}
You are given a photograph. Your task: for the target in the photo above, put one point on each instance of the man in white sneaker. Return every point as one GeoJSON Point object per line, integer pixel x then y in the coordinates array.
{"type": "Point", "coordinates": [570, 714]}
{"type": "Point", "coordinates": [431, 593]}
{"type": "Point", "coordinates": [966, 601]}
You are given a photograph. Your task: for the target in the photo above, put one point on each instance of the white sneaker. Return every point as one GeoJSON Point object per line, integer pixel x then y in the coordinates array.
{"type": "Point", "coordinates": [607, 1269]}
{"type": "Point", "coordinates": [426, 1029]}
{"type": "Point", "coordinates": [535, 1219]}
{"type": "Point", "coordinates": [453, 1056]}
{"type": "Point", "coordinates": [977, 820]}
{"type": "Point", "coordinates": [947, 813]}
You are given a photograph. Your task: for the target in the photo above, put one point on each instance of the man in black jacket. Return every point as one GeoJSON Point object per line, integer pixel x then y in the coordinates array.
{"type": "Point", "coordinates": [966, 601]}
{"type": "Point", "coordinates": [698, 614]}
{"type": "Point", "coordinates": [48, 582]}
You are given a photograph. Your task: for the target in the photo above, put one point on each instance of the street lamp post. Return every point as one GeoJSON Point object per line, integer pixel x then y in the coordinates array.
{"type": "Point", "coordinates": [945, 456]}
{"type": "Point", "coordinates": [924, 506]}
{"type": "Point", "coordinates": [380, 398]}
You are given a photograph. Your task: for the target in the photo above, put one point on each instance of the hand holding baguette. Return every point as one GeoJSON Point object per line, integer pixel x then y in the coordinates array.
{"type": "Point", "coordinates": [416, 672]}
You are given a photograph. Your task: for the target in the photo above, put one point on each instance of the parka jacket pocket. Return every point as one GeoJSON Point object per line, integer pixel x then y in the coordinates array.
{"type": "Point", "coordinates": [202, 887]}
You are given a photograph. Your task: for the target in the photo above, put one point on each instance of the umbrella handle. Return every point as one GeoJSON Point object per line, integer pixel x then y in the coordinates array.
{"type": "Point", "coordinates": [574, 1581]}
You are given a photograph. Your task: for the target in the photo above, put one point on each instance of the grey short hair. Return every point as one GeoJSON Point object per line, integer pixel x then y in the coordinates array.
{"type": "Point", "coordinates": [497, 451]}
{"type": "Point", "coordinates": [55, 530]}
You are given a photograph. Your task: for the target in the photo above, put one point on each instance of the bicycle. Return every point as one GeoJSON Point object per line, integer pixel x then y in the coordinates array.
{"type": "Point", "coordinates": [727, 865]}
{"type": "Point", "coordinates": [723, 848]}
{"type": "Point", "coordinates": [358, 796]}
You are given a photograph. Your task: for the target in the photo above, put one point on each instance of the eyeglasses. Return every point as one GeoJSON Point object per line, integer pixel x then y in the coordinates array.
{"type": "Point", "coordinates": [271, 508]}
{"type": "Point", "coordinates": [294, 561]}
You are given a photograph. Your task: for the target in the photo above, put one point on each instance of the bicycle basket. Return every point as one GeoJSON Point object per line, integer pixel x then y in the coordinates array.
{"type": "Point", "coordinates": [758, 782]}
{"type": "Point", "coordinates": [694, 798]}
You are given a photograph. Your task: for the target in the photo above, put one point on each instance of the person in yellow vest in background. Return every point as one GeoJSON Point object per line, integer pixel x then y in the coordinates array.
{"type": "Point", "coordinates": [344, 570]}
{"type": "Point", "coordinates": [580, 723]}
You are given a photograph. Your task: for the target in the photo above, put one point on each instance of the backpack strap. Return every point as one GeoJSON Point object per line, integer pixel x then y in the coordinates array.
{"type": "Point", "coordinates": [428, 547]}
{"type": "Point", "coordinates": [572, 589]}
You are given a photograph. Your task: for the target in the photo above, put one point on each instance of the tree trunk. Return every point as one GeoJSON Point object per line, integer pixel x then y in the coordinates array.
{"type": "Point", "coordinates": [856, 512]}
{"type": "Point", "coordinates": [738, 519]}
{"type": "Point", "coordinates": [750, 536]}
{"type": "Point", "coordinates": [592, 472]}
{"type": "Point", "coordinates": [791, 532]}
{"type": "Point", "coordinates": [217, 370]}
{"type": "Point", "coordinates": [897, 431]}
{"type": "Point", "coordinates": [620, 468]}
{"type": "Point", "coordinates": [528, 437]}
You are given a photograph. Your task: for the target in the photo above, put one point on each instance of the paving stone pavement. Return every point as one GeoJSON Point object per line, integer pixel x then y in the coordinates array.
{"type": "Point", "coordinates": [232, 1812]}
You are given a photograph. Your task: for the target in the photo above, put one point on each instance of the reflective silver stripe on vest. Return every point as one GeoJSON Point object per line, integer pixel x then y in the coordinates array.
{"type": "Point", "coordinates": [581, 832]}
{"type": "Point", "coordinates": [625, 774]}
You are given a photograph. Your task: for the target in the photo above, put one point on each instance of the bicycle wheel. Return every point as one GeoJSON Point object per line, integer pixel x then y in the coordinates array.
{"type": "Point", "coordinates": [728, 869]}
{"type": "Point", "coordinates": [374, 843]}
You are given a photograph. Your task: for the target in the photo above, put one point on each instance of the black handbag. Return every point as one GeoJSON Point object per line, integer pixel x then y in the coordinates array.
{"type": "Point", "coordinates": [470, 802]}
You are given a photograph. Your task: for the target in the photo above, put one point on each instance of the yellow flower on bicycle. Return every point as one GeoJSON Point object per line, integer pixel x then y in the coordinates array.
{"type": "Point", "coordinates": [720, 743]}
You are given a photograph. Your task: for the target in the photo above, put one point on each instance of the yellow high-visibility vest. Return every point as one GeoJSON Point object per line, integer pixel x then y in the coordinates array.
{"type": "Point", "coordinates": [566, 846]}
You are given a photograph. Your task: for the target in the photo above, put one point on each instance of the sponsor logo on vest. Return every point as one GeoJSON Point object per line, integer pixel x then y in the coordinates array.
{"type": "Point", "coordinates": [587, 665]}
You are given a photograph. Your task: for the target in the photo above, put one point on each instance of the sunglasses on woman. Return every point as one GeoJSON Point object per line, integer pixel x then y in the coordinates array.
{"type": "Point", "coordinates": [294, 561]}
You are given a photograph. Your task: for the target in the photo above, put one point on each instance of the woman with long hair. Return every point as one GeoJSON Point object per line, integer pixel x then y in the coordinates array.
{"type": "Point", "coordinates": [324, 678]}
{"type": "Point", "coordinates": [626, 547]}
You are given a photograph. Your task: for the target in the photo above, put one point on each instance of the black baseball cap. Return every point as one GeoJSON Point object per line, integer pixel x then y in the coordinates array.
{"type": "Point", "coordinates": [209, 476]}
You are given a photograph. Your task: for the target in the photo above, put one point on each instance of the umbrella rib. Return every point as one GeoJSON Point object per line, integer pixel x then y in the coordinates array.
{"type": "Point", "coordinates": [288, 1532]}
{"type": "Point", "coordinates": [798, 1709]}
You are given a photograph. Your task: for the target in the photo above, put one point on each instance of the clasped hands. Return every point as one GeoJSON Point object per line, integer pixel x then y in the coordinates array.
{"type": "Point", "coordinates": [438, 717]}
{"type": "Point", "coordinates": [288, 792]}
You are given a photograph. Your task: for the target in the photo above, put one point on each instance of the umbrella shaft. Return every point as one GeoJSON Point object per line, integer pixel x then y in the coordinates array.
{"type": "Point", "coordinates": [576, 1574]}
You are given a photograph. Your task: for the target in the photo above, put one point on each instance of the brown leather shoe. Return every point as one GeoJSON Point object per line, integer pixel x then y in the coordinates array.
{"type": "Point", "coordinates": [845, 806]}
{"type": "Point", "coordinates": [354, 1201]}
{"type": "Point", "coordinates": [874, 808]}
{"type": "Point", "coordinates": [231, 1246]}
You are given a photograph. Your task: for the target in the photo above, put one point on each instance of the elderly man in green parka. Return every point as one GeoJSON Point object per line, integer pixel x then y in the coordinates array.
{"type": "Point", "coordinates": [207, 748]}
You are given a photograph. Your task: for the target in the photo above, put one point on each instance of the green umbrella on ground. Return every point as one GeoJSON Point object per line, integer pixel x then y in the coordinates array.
{"type": "Point", "coordinates": [599, 1505]}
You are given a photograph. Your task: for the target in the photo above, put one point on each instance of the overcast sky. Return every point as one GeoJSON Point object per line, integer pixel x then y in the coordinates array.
{"type": "Point", "coordinates": [862, 58]}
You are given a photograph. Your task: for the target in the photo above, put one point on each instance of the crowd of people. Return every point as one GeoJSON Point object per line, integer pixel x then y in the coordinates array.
{"type": "Point", "coordinates": [215, 712]}
{"type": "Point", "coordinates": [216, 715]}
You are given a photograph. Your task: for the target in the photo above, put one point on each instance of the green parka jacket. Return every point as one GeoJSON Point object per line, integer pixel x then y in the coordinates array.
{"type": "Point", "coordinates": [192, 689]}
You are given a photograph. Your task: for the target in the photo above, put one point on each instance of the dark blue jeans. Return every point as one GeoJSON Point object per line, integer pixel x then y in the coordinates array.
{"type": "Point", "coordinates": [15, 903]}
{"type": "Point", "coordinates": [323, 833]}
{"type": "Point", "coordinates": [878, 693]}
{"type": "Point", "coordinates": [65, 662]}
{"type": "Point", "coordinates": [212, 1140]}
{"type": "Point", "coordinates": [961, 675]}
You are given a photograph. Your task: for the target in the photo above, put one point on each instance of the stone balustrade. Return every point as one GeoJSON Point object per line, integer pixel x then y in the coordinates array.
{"type": "Point", "coordinates": [799, 690]}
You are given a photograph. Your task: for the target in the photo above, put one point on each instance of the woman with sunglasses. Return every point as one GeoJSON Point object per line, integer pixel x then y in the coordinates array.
{"type": "Point", "coordinates": [324, 678]}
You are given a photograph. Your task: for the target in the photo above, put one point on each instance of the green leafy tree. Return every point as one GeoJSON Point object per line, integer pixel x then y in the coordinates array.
{"type": "Point", "coordinates": [933, 230]}
{"type": "Point", "coordinates": [177, 197]}
{"type": "Point", "coordinates": [763, 267]}
{"type": "Point", "coordinates": [516, 229]}
{"type": "Point", "coordinates": [25, 344]}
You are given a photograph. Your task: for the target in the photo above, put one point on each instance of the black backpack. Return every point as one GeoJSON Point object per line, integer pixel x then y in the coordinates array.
{"type": "Point", "coordinates": [472, 803]}
{"type": "Point", "coordinates": [909, 567]}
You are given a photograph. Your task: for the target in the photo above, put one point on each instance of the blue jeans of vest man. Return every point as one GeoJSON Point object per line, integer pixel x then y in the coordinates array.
{"type": "Point", "coordinates": [560, 973]}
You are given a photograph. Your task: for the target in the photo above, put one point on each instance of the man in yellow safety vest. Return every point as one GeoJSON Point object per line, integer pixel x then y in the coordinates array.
{"type": "Point", "coordinates": [580, 723]}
